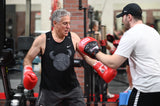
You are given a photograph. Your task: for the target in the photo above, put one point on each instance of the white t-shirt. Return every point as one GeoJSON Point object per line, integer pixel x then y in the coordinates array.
{"type": "Point", "coordinates": [140, 44]}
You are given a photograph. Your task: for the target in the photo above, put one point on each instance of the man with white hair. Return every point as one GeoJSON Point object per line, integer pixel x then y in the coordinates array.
{"type": "Point", "coordinates": [59, 83]}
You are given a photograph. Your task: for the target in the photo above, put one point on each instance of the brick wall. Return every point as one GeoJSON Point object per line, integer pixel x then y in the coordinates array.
{"type": "Point", "coordinates": [77, 26]}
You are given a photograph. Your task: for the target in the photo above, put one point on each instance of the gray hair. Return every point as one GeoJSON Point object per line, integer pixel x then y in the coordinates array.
{"type": "Point", "coordinates": [93, 23]}
{"type": "Point", "coordinates": [58, 14]}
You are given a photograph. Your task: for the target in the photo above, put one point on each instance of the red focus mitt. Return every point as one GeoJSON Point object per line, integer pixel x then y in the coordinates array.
{"type": "Point", "coordinates": [89, 46]}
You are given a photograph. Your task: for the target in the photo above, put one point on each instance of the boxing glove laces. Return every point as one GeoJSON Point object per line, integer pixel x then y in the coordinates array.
{"type": "Point", "coordinates": [106, 73]}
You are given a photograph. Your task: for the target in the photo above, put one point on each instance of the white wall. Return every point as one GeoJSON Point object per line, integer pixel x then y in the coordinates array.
{"type": "Point", "coordinates": [45, 15]}
{"type": "Point", "coordinates": [36, 5]}
{"type": "Point", "coordinates": [108, 6]}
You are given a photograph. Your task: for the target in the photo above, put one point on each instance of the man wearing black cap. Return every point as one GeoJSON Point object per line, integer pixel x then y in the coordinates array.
{"type": "Point", "coordinates": [139, 45]}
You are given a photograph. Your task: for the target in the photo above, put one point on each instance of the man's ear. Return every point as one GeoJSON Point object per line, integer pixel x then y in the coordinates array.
{"type": "Point", "coordinates": [130, 16]}
{"type": "Point", "coordinates": [54, 23]}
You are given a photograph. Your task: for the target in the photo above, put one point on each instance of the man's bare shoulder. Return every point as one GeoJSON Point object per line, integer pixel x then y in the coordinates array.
{"type": "Point", "coordinates": [41, 37]}
{"type": "Point", "coordinates": [75, 36]}
{"type": "Point", "coordinates": [40, 40]}
{"type": "Point", "coordinates": [75, 39]}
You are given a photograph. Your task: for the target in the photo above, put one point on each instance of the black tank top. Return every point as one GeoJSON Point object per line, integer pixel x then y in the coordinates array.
{"type": "Point", "coordinates": [57, 65]}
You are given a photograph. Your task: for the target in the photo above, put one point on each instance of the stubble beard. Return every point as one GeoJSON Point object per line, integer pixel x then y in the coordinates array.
{"type": "Point", "coordinates": [127, 26]}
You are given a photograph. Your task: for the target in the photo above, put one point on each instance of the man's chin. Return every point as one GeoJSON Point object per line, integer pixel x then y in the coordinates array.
{"type": "Point", "coordinates": [66, 34]}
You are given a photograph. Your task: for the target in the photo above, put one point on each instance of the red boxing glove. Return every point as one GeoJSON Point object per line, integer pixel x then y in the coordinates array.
{"type": "Point", "coordinates": [89, 46]}
{"type": "Point", "coordinates": [30, 79]}
{"type": "Point", "coordinates": [103, 42]}
{"type": "Point", "coordinates": [116, 43]}
{"type": "Point", "coordinates": [106, 73]}
{"type": "Point", "coordinates": [110, 38]}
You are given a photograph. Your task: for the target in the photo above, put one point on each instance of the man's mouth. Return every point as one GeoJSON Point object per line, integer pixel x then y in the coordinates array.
{"type": "Point", "coordinates": [66, 31]}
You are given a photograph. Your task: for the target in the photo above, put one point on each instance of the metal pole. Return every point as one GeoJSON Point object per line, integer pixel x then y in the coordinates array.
{"type": "Point", "coordinates": [104, 85]}
{"type": "Point", "coordinates": [87, 70]}
{"type": "Point", "coordinates": [28, 18]}
{"type": "Point", "coordinates": [103, 31]}
{"type": "Point", "coordinates": [2, 24]}
{"type": "Point", "coordinates": [6, 84]}
{"type": "Point", "coordinates": [85, 22]}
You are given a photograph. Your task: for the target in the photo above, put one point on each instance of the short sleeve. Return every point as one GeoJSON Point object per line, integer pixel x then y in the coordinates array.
{"type": "Point", "coordinates": [126, 45]}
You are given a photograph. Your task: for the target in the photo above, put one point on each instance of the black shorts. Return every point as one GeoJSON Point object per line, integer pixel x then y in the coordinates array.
{"type": "Point", "coordinates": [51, 98]}
{"type": "Point", "coordinates": [138, 98]}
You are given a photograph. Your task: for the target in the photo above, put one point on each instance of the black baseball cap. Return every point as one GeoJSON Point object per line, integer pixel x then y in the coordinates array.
{"type": "Point", "coordinates": [132, 8]}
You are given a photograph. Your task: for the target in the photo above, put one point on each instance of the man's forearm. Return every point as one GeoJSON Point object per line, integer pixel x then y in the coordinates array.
{"type": "Point", "coordinates": [89, 60]}
{"type": "Point", "coordinates": [112, 61]}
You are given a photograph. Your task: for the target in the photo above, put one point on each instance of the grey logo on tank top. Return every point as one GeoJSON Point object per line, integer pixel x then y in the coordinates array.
{"type": "Point", "coordinates": [68, 46]}
{"type": "Point", "coordinates": [61, 61]}
{"type": "Point", "coordinates": [48, 38]}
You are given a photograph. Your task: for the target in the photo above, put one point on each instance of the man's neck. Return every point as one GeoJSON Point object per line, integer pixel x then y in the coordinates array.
{"type": "Point", "coordinates": [57, 36]}
{"type": "Point", "coordinates": [136, 22]}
